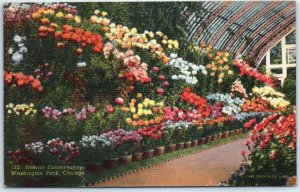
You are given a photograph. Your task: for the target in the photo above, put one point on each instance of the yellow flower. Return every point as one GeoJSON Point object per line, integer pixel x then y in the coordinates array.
{"type": "Point", "coordinates": [104, 13]}
{"type": "Point", "coordinates": [77, 19]}
{"type": "Point", "coordinates": [139, 95]}
{"type": "Point", "coordinates": [164, 41]}
{"type": "Point", "coordinates": [159, 33]}
{"type": "Point", "coordinates": [17, 113]}
{"type": "Point", "coordinates": [170, 46]}
{"type": "Point", "coordinates": [230, 72]}
{"type": "Point", "coordinates": [140, 105]}
{"type": "Point", "coordinates": [59, 15]}
{"type": "Point", "coordinates": [34, 111]}
{"type": "Point", "coordinates": [161, 104]}
{"type": "Point", "coordinates": [176, 44]}
{"type": "Point", "coordinates": [31, 105]}
{"type": "Point", "coordinates": [226, 67]}
{"type": "Point", "coordinates": [151, 102]}
{"type": "Point", "coordinates": [133, 30]}
{"type": "Point", "coordinates": [135, 116]}
{"type": "Point", "coordinates": [132, 109]}
{"type": "Point", "coordinates": [11, 105]}
{"type": "Point", "coordinates": [221, 75]}
{"type": "Point", "coordinates": [220, 80]}
{"type": "Point", "coordinates": [94, 19]}
{"type": "Point", "coordinates": [225, 59]}
{"type": "Point", "coordinates": [96, 12]}
{"type": "Point", "coordinates": [151, 34]}
{"type": "Point", "coordinates": [140, 112]}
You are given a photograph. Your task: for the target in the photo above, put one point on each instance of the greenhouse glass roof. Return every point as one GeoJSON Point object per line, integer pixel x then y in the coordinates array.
{"type": "Point", "coordinates": [245, 27]}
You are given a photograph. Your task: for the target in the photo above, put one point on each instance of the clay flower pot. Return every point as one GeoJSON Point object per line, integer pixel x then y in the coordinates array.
{"type": "Point", "coordinates": [148, 154]}
{"type": "Point", "coordinates": [225, 134]}
{"type": "Point", "coordinates": [195, 142]}
{"type": "Point", "coordinates": [240, 130]}
{"type": "Point", "coordinates": [93, 168]}
{"type": "Point", "coordinates": [237, 131]}
{"type": "Point", "coordinates": [137, 157]}
{"type": "Point", "coordinates": [202, 140]}
{"type": "Point", "coordinates": [215, 137]}
{"type": "Point", "coordinates": [111, 163]}
{"type": "Point", "coordinates": [187, 144]}
{"type": "Point", "coordinates": [220, 136]}
{"type": "Point", "coordinates": [231, 133]}
{"type": "Point", "coordinates": [179, 146]}
{"type": "Point", "coordinates": [126, 159]}
{"type": "Point", "coordinates": [208, 139]}
{"type": "Point", "coordinates": [160, 150]}
{"type": "Point", "coordinates": [170, 148]}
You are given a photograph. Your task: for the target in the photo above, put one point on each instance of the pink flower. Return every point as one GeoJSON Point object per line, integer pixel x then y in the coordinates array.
{"type": "Point", "coordinates": [119, 101]}
{"type": "Point", "coordinates": [91, 109]}
{"type": "Point", "coordinates": [110, 109]}
{"type": "Point", "coordinates": [155, 69]}
{"type": "Point", "coordinates": [166, 84]}
{"type": "Point", "coordinates": [243, 153]}
{"type": "Point", "coordinates": [161, 77]}
{"type": "Point", "coordinates": [160, 91]}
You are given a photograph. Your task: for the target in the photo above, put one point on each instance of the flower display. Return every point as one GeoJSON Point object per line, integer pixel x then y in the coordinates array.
{"type": "Point", "coordinates": [245, 69]}
{"type": "Point", "coordinates": [21, 109]}
{"type": "Point", "coordinates": [231, 106]}
{"type": "Point", "coordinates": [22, 80]}
{"type": "Point", "coordinates": [237, 87]}
{"type": "Point", "coordinates": [242, 116]}
{"type": "Point", "coordinates": [17, 51]}
{"type": "Point", "coordinates": [273, 97]}
{"type": "Point", "coordinates": [195, 100]}
{"type": "Point", "coordinates": [63, 151]}
{"type": "Point", "coordinates": [153, 132]}
{"type": "Point", "coordinates": [21, 156]}
{"type": "Point", "coordinates": [105, 91]}
{"type": "Point", "coordinates": [219, 65]}
{"type": "Point", "coordinates": [37, 147]}
{"type": "Point", "coordinates": [144, 113]}
{"type": "Point", "coordinates": [55, 114]}
{"type": "Point", "coordinates": [185, 71]}
{"type": "Point", "coordinates": [256, 104]}
{"type": "Point", "coordinates": [274, 127]}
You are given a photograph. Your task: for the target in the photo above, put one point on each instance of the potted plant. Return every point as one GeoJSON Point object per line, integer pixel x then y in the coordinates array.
{"type": "Point", "coordinates": [148, 148]}
{"type": "Point", "coordinates": [126, 153]}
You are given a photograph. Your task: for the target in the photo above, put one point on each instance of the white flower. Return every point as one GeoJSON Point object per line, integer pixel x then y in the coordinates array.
{"type": "Point", "coordinates": [17, 57]}
{"type": "Point", "coordinates": [23, 50]}
{"type": "Point", "coordinates": [81, 64]}
{"type": "Point", "coordinates": [173, 55]}
{"type": "Point", "coordinates": [17, 39]}
{"type": "Point", "coordinates": [174, 77]}
{"type": "Point", "coordinates": [10, 51]}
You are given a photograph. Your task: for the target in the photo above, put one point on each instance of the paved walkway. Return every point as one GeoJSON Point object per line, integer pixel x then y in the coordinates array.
{"type": "Point", "coordinates": [206, 168]}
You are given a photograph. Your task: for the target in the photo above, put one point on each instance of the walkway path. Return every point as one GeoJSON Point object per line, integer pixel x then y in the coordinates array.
{"type": "Point", "coordinates": [206, 168]}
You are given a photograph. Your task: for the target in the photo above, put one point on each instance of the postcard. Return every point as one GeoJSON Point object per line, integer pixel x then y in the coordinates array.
{"type": "Point", "coordinates": [149, 94]}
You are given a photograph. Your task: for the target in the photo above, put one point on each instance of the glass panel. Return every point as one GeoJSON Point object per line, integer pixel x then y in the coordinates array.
{"type": "Point", "coordinates": [276, 57]}
{"type": "Point", "coordinates": [291, 38]}
{"type": "Point", "coordinates": [291, 71]}
{"type": "Point", "coordinates": [276, 71]}
{"type": "Point", "coordinates": [291, 56]}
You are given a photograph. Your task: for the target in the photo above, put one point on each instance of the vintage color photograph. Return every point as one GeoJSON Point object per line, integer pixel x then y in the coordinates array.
{"type": "Point", "coordinates": [149, 94]}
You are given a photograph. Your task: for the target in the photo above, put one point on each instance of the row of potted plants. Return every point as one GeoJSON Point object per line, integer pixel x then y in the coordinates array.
{"type": "Point", "coordinates": [112, 163]}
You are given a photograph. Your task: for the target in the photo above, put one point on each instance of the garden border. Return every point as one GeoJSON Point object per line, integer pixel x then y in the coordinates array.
{"type": "Point", "coordinates": [214, 144]}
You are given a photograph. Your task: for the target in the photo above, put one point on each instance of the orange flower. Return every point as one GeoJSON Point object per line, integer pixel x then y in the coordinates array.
{"type": "Point", "coordinates": [45, 21]}
{"type": "Point", "coordinates": [128, 120]}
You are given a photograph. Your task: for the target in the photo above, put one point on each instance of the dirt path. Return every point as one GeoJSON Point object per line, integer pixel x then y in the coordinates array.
{"type": "Point", "coordinates": [206, 168]}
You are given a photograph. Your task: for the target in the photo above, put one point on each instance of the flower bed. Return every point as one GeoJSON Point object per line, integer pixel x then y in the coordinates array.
{"type": "Point", "coordinates": [96, 93]}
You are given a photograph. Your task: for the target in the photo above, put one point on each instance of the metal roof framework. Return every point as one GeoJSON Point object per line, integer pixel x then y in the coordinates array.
{"type": "Point", "coordinates": [244, 27]}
